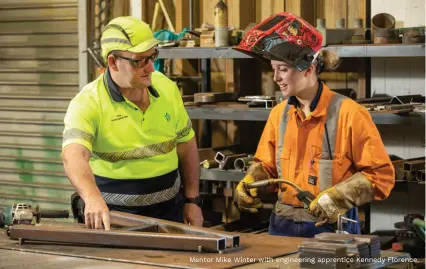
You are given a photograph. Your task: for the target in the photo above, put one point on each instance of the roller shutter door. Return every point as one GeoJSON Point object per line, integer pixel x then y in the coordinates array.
{"type": "Point", "coordinates": [38, 78]}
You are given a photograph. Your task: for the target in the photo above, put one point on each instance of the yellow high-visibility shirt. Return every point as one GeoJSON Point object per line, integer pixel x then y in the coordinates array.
{"type": "Point", "coordinates": [125, 142]}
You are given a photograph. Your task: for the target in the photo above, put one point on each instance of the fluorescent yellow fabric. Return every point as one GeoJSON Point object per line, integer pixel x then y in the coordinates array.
{"type": "Point", "coordinates": [127, 33]}
{"type": "Point", "coordinates": [126, 143]}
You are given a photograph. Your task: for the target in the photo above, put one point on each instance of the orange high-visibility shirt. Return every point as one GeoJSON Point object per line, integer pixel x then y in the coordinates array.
{"type": "Point", "coordinates": [358, 148]}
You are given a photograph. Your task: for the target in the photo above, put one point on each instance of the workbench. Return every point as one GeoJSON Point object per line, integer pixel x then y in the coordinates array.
{"type": "Point", "coordinates": [276, 252]}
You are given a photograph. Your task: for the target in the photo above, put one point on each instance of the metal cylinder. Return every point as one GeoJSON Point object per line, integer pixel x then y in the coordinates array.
{"type": "Point", "coordinates": [221, 24]}
{"type": "Point", "coordinates": [358, 23]}
{"type": "Point", "coordinates": [420, 175]}
{"type": "Point", "coordinates": [241, 164]}
{"type": "Point", "coordinates": [210, 164]}
{"type": "Point", "coordinates": [53, 213]}
{"type": "Point", "coordinates": [320, 23]}
{"type": "Point", "coordinates": [190, 16]}
{"type": "Point", "coordinates": [383, 21]}
{"type": "Point", "coordinates": [340, 23]}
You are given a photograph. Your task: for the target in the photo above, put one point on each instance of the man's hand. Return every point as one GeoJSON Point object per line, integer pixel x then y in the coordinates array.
{"type": "Point", "coordinates": [247, 200]}
{"type": "Point", "coordinates": [354, 191]}
{"type": "Point", "coordinates": [192, 214]}
{"type": "Point", "coordinates": [96, 213]}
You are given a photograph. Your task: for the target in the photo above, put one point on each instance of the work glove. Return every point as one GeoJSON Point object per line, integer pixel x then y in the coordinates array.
{"type": "Point", "coordinates": [247, 200]}
{"type": "Point", "coordinates": [352, 192]}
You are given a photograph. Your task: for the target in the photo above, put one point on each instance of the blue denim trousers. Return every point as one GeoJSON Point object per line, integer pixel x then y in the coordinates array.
{"type": "Point", "coordinates": [288, 227]}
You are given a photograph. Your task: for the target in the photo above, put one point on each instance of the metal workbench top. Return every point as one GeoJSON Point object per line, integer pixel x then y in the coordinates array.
{"type": "Point", "coordinates": [279, 250]}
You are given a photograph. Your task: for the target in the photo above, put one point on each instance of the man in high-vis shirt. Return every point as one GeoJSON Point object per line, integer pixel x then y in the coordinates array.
{"type": "Point", "coordinates": [127, 133]}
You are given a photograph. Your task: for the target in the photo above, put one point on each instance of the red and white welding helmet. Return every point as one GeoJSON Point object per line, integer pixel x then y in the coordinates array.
{"type": "Point", "coordinates": [283, 37]}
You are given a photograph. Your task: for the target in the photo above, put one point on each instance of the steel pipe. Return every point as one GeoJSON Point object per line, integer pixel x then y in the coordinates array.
{"type": "Point", "coordinates": [117, 238]}
{"type": "Point", "coordinates": [129, 220]}
{"type": "Point", "coordinates": [241, 164]}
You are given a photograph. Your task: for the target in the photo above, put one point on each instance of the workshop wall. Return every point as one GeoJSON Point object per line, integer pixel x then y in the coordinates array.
{"type": "Point", "coordinates": [38, 78]}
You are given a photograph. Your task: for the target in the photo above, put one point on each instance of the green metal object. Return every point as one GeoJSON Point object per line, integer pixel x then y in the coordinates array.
{"type": "Point", "coordinates": [419, 226]}
{"type": "Point", "coordinates": [8, 216]}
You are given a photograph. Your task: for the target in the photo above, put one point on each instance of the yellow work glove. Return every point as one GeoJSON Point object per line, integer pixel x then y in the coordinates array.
{"type": "Point", "coordinates": [247, 199]}
{"type": "Point", "coordinates": [354, 191]}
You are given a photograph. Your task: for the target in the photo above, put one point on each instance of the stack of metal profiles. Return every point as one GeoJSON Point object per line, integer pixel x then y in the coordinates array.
{"type": "Point", "coordinates": [358, 245]}
{"type": "Point", "coordinates": [373, 243]}
{"type": "Point", "coordinates": [322, 255]}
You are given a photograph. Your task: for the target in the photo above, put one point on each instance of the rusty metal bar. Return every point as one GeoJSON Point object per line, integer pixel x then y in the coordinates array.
{"type": "Point", "coordinates": [410, 176]}
{"type": "Point", "coordinates": [399, 172]}
{"type": "Point", "coordinates": [414, 165]}
{"type": "Point", "coordinates": [420, 175]}
{"type": "Point", "coordinates": [129, 220]}
{"type": "Point", "coordinates": [117, 238]}
{"type": "Point", "coordinates": [208, 164]}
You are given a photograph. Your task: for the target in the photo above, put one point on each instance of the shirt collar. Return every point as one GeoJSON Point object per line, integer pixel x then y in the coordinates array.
{"type": "Point", "coordinates": [292, 100]}
{"type": "Point", "coordinates": [115, 93]}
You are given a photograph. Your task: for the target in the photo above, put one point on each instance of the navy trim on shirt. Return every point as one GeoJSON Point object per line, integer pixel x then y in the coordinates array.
{"type": "Point", "coordinates": [115, 93]}
{"type": "Point", "coordinates": [292, 100]}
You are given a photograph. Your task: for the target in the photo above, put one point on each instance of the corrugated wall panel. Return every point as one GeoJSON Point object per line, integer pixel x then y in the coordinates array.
{"type": "Point", "coordinates": [66, 66]}
{"type": "Point", "coordinates": [42, 27]}
{"type": "Point", "coordinates": [38, 89]}
{"type": "Point", "coordinates": [38, 78]}
{"type": "Point", "coordinates": [65, 53]}
{"type": "Point", "coordinates": [40, 40]}
{"type": "Point", "coordinates": [60, 12]}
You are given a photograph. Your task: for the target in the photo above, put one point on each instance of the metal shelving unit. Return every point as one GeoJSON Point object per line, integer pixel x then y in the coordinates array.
{"type": "Point", "coordinates": [208, 113]}
{"type": "Point", "coordinates": [261, 114]}
{"type": "Point", "coordinates": [391, 50]}
{"type": "Point", "coordinates": [216, 174]}
{"type": "Point", "coordinates": [228, 113]}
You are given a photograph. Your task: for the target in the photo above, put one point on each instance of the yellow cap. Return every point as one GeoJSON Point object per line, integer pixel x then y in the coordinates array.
{"type": "Point", "coordinates": [127, 33]}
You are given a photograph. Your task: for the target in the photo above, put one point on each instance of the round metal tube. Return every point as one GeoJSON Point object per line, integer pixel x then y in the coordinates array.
{"type": "Point", "coordinates": [239, 164]}
{"type": "Point", "coordinates": [190, 16]}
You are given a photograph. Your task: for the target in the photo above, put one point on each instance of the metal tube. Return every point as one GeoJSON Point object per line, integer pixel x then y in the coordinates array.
{"type": "Point", "coordinates": [240, 164]}
{"type": "Point", "coordinates": [206, 134]}
{"type": "Point", "coordinates": [190, 16]}
{"type": "Point", "coordinates": [117, 238]}
{"type": "Point", "coordinates": [414, 165]}
{"type": "Point", "coordinates": [210, 164]}
{"type": "Point", "coordinates": [420, 175]}
{"type": "Point", "coordinates": [127, 220]}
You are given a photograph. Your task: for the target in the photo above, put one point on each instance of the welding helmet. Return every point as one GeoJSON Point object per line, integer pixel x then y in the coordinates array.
{"type": "Point", "coordinates": [283, 37]}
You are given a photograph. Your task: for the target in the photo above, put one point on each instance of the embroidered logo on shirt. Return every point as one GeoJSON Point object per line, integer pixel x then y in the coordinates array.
{"type": "Point", "coordinates": [119, 117]}
{"type": "Point", "coordinates": [167, 116]}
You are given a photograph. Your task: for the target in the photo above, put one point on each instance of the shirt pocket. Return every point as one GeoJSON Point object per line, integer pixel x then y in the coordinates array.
{"type": "Point", "coordinates": [326, 170]}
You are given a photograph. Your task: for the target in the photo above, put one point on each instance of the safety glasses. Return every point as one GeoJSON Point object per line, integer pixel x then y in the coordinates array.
{"type": "Point", "coordinates": [141, 62]}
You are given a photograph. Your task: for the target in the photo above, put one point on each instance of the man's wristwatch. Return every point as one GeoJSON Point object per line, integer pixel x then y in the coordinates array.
{"type": "Point", "coordinates": [197, 200]}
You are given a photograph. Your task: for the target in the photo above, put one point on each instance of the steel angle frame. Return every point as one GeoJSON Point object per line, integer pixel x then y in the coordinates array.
{"type": "Point", "coordinates": [130, 220]}
{"type": "Point", "coordinates": [119, 238]}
